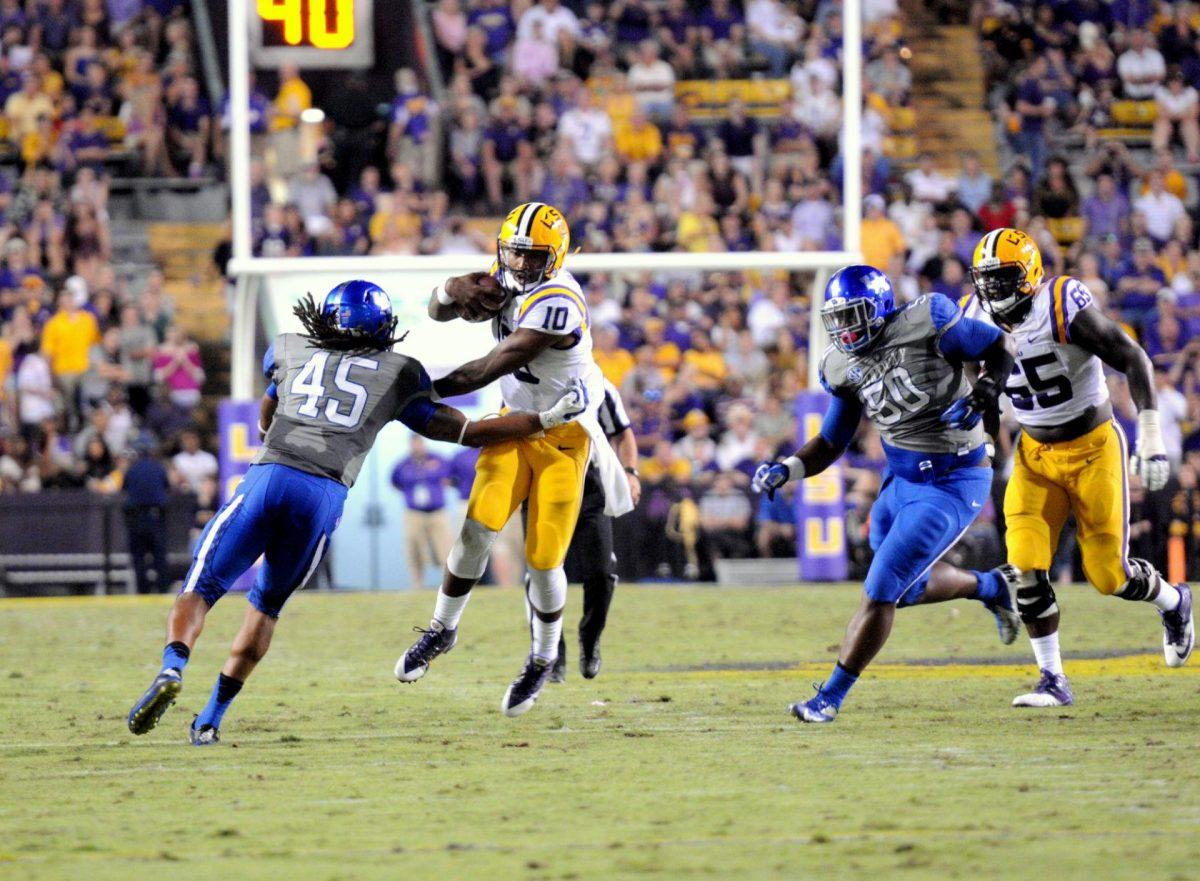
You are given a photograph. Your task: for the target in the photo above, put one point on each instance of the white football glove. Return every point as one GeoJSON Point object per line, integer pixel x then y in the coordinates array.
{"type": "Point", "coordinates": [571, 405]}
{"type": "Point", "coordinates": [1149, 460]}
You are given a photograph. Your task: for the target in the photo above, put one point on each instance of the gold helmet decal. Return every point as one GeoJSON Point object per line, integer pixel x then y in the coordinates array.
{"type": "Point", "coordinates": [1006, 271]}
{"type": "Point", "coordinates": [532, 245]}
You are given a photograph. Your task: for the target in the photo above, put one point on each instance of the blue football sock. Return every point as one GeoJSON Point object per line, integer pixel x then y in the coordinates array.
{"type": "Point", "coordinates": [991, 586]}
{"type": "Point", "coordinates": [838, 685]}
{"type": "Point", "coordinates": [222, 696]}
{"type": "Point", "coordinates": [175, 656]}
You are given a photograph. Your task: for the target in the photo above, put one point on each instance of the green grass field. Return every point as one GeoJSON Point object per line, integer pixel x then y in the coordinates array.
{"type": "Point", "coordinates": [678, 762]}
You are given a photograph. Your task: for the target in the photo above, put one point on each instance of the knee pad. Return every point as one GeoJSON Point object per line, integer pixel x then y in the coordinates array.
{"type": "Point", "coordinates": [547, 589]}
{"type": "Point", "coordinates": [1035, 596]}
{"type": "Point", "coordinates": [468, 558]}
{"type": "Point", "coordinates": [1143, 579]}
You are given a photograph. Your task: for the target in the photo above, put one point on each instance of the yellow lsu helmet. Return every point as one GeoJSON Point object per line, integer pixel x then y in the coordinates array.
{"type": "Point", "coordinates": [532, 245]}
{"type": "Point", "coordinates": [1006, 271]}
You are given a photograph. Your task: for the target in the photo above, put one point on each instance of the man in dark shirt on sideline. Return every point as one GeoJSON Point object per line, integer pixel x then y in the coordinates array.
{"type": "Point", "coordinates": [145, 489]}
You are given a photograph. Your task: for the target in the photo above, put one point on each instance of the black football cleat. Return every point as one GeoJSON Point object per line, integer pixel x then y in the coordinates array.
{"type": "Point", "coordinates": [558, 672]}
{"type": "Point", "coordinates": [434, 641]}
{"type": "Point", "coordinates": [156, 701]}
{"type": "Point", "coordinates": [524, 691]}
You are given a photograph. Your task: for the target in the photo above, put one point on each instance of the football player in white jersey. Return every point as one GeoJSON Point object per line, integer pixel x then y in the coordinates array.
{"type": "Point", "coordinates": [543, 346]}
{"type": "Point", "coordinates": [1071, 457]}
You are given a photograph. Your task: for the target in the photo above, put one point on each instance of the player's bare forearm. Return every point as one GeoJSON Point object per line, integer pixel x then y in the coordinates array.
{"type": "Point", "coordinates": [817, 455]}
{"type": "Point", "coordinates": [516, 351]}
{"type": "Point", "coordinates": [266, 412]}
{"type": "Point", "coordinates": [447, 424]}
{"type": "Point", "coordinates": [471, 296]}
{"type": "Point", "coordinates": [1095, 332]}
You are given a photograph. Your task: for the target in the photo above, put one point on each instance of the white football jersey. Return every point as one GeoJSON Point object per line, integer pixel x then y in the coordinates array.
{"type": "Point", "coordinates": [1054, 380]}
{"type": "Point", "coordinates": [557, 307]}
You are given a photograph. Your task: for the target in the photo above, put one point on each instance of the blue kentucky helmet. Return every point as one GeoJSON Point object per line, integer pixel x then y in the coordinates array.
{"type": "Point", "coordinates": [858, 301]}
{"type": "Point", "coordinates": [361, 308]}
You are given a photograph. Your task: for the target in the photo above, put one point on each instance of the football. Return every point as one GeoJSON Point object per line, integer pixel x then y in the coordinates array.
{"type": "Point", "coordinates": [485, 299]}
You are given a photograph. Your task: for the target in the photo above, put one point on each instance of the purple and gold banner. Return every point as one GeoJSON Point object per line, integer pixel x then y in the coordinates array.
{"type": "Point", "coordinates": [237, 425]}
{"type": "Point", "coordinates": [820, 504]}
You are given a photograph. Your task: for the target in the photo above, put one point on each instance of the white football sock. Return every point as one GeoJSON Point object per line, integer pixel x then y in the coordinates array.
{"type": "Point", "coordinates": [1045, 649]}
{"type": "Point", "coordinates": [545, 638]}
{"type": "Point", "coordinates": [449, 609]}
{"type": "Point", "coordinates": [1168, 596]}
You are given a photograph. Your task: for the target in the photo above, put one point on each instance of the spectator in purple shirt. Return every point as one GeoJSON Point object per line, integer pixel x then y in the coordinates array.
{"type": "Point", "coordinates": [87, 146]}
{"type": "Point", "coordinates": [422, 479]}
{"type": "Point", "coordinates": [493, 18]}
{"type": "Point", "coordinates": [53, 25]}
{"type": "Point", "coordinates": [1034, 107]}
{"type": "Point", "coordinates": [461, 471]}
{"type": "Point", "coordinates": [564, 185]}
{"type": "Point", "coordinates": [721, 21]}
{"type": "Point", "coordinates": [1104, 209]}
{"type": "Point", "coordinates": [502, 143]}
{"type": "Point", "coordinates": [1138, 282]}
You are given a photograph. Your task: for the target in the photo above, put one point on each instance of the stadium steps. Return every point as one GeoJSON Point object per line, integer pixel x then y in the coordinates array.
{"type": "Point", "coordinates": [184, 253]}
{"type": "Point", "coordinates": [948, 93]}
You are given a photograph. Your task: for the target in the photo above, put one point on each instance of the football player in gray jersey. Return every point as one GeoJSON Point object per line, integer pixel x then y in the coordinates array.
{"type": "Point", "coordinates": [903, 370]}
{"type": "Point", "coordinates": [331, 390]}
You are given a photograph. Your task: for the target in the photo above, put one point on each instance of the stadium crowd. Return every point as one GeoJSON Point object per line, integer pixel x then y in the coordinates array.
{"type": "Point", "coordinates": [93, 370]}
{"type": "Point", "coordinates": [655, 126]}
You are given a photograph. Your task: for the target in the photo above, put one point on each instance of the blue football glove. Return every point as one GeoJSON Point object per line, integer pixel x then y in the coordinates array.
{"type": "Point", "coordinates": [962, 414]}
{"type": "Point", "coordinates": [769, 477]}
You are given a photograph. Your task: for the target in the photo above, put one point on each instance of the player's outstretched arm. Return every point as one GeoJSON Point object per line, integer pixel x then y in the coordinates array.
{"type": "Point", "coordinates": [837, 430]}
{"type": "Point", "coordinates": [1095, 332]}
{"type": "Point", "coordinates": [969, 340]}
{"type": "Point", "coordinates": [517, 350]}
{"type": "Point", "coordinates": [467, 296]}
{"type": "Point", "coordinates": [448, 424]}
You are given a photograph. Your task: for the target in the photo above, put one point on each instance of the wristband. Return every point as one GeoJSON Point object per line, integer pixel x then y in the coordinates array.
{"type": "Point", "coordinates": [1149, 436]}
{"type": "Point", "coordinates": [442, 297]}
{"type": "Point", "coordinates": [795, 468]}
{"type": "Point", "coordinates": [631, 470]}
{"type": "Point", "coordinates": [463, 433]}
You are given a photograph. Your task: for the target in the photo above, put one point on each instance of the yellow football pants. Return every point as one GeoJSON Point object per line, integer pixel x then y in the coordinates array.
{"type": "Point", "coordinates": [1087, 476]}
{"type": "Point", "coordinates": [546, 470]}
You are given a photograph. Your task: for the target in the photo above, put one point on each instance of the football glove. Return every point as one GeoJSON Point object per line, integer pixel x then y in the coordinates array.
{"type": "Point", "coordinates": [571, 405]}
{"type": "Point", "coordinates": [1149, 460]}
{"type": "Point", "coordinates": [770, 476]}
{"type": "Point", "coordinates": [965, 413]}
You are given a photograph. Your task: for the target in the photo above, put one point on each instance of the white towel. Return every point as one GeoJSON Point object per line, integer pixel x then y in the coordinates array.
{"type": "Point", "coordinates": [617, 498]}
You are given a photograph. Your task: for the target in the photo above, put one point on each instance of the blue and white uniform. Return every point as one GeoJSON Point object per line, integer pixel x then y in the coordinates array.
{"type": "Point", "coordinates": [331, 407]}
{"type": "Point", "coordinates": [938, 477]}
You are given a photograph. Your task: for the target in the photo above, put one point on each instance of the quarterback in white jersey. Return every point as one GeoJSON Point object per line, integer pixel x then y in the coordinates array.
{"type": "Point", "coordinates": [1071, 456]}
{"type": "Point", "coordinates": [543, 347]}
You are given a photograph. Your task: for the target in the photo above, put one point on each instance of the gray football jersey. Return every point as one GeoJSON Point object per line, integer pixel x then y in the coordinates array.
{"type": "Point", "coordinates": [333, 404]}
{"type": "Point", "coordinates": [904, 383]}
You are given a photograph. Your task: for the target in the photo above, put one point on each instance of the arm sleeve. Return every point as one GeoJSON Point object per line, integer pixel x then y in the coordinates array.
{"type": "Point", "coordinates": [415, 408]}
{"type": "Point", "coordinates": [841, 421]}
{"type": "Point", "coordinates": [959, 337]}
{"type": "Point", "coordinates": [272, 392]}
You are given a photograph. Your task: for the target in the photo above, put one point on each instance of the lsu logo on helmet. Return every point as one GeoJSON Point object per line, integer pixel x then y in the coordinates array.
{"type": "Point", "coordinates": [1006, 271]}
{"type": "Point", "coordinates": [531, 246]}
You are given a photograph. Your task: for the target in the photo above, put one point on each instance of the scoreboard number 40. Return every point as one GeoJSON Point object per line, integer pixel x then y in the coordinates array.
{"type": "Point", "coordinates": [320, 24]}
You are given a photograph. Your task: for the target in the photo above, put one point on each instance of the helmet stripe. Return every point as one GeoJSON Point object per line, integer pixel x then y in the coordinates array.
{"type": "Point", "coordinates": [989, 248]}
{"type": "Point", "coordinates": [527, 217]}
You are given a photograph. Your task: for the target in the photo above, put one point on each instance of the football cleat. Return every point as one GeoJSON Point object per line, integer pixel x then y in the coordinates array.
{"type": "Point", "coordinates": [817, 709]}
{"type": "Point", "coordinates": [156, 701]}
{"type": "Point", "coordinates": [523, 693]}
{"type": "Point", "coordinates": [558, 673]}
{"type": "Point", "coordinates": [434, 641]}
{"type": "Point", "coordinates": [1052, 690]}
{"type": "Point", "coordinates": [1004, 607]}
{"type": "Point", "coordinates": [1178, 632]}
{"type": "Point", "coordinates": [589, 659]}
{"type": "Point", "coordinates": [205, 735]}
